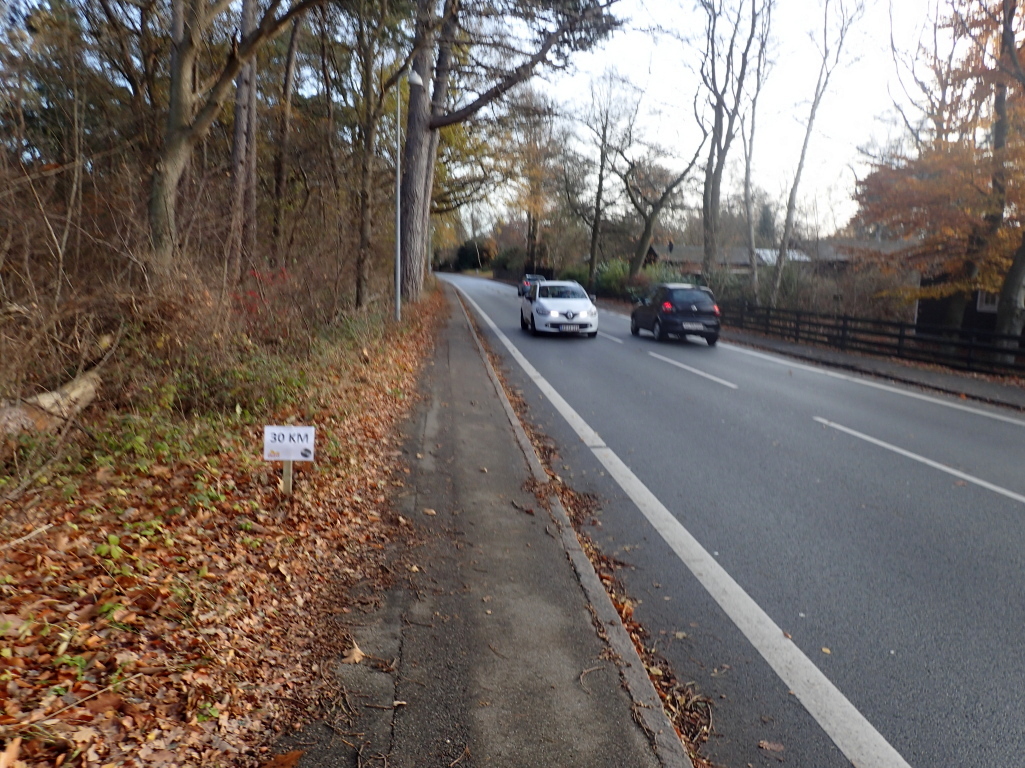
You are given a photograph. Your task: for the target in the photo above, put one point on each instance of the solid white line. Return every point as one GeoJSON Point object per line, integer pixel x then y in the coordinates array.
{"type": "Point", "coordinates": [876, 385]}
{"type": "Point", "coordinates": [928, 462]}
{"type": "Point", "coordinates": [853, 734]}
{"type": "Point", "coordinates": [695, 371]}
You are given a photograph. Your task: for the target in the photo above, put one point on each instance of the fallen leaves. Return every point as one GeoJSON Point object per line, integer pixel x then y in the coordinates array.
{"type": "Point", "coordinates": [770, 746]}
{"type": "Point", "coordinates": [166, 613]}
{"type": "Point", "coordinates": [354, 655]}
{"type": "Point", "coordinates": [287, 760]}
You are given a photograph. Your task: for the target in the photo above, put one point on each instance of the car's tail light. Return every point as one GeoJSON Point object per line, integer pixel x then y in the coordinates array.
{"type": "Point", "coordinates": [715, 310]}
{"type": "Point", "coordinates": [667, 307]}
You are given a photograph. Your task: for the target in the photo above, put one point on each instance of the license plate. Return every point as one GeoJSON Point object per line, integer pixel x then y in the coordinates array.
{"type": "Point", "coordinates": [570, 328]}
{"type": "Point", "coordinates": [692, 326]}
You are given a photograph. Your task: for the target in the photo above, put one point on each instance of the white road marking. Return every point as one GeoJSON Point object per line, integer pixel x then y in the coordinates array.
{"type": "Point", "coordinates": [695, 371]}
{"type": "Point", "coordinates": [853, 734]}
{"type": "Point", "coordinates": [609, 337]}
{"type": "Point", "coordinates": [876, 385]}
{"type": "Point", "coordinates": [928, 462]}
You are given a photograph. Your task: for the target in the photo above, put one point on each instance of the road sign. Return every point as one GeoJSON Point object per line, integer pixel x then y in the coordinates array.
{"type": "Point", "coordinates": [288, 443]}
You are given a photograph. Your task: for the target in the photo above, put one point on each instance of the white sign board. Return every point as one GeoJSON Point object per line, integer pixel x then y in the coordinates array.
{"type": "Point", "coordinates": [288, 443]}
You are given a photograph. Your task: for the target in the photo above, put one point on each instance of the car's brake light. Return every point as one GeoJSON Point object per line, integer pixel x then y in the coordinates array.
{"type": "Point", "coordinates": [667, 307]}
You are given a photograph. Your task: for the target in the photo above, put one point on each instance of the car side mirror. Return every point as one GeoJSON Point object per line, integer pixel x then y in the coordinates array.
{"type": "Point", "coordinates": [592, 297]}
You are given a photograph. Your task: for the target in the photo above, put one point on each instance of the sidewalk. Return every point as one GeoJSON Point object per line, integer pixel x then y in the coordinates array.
{"type": "Point", "coordinates": [486, 653]}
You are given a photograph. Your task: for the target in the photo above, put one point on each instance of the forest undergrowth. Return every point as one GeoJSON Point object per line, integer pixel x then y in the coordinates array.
{"type": "Point", "coordinates": [156, 587]}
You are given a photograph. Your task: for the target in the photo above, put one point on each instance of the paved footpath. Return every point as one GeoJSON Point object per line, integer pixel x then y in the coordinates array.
{"type": "Point", "coordinates": [499, 659]}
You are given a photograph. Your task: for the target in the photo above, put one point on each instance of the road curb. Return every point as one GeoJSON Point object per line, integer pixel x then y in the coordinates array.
{"type": "Point", "coordinates": [647, 705]}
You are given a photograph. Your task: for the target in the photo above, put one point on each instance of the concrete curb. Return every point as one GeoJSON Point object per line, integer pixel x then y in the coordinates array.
{"type": "Point", "coordinates": [647, 705]}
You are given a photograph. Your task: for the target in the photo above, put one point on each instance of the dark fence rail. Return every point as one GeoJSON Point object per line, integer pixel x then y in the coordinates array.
{"type": "Point", "coordinates": [978, 351]}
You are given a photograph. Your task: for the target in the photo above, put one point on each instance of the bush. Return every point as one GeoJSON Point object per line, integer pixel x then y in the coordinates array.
{"type": "Point", "coordinates": [512, 259]}
{"type": "Point", "coordinates": [610, 279]}
{"type": "Point", "coordinates": [576, 272]}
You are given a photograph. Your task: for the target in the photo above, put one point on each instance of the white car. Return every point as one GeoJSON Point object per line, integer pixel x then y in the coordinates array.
{"type": "Point", "coordinates": [558, 306]}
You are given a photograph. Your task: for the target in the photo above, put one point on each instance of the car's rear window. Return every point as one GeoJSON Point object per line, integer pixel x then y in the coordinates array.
{"type": "Point", "coordinates": [686, 296]}
{"type": "Point", "coordinates": [561, 292]}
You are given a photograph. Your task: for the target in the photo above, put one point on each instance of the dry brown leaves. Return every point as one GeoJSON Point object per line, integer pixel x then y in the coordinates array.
{"type": "Point", "coordinates": [166, 617]}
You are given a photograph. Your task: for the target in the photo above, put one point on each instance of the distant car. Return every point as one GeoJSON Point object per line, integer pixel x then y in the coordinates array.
{"type": "Point", "coordinates": [527, 281]}
{"type": "Point", "coordinates": [558, 306]}
{"type": "Point", "coordinates": [678, 309]}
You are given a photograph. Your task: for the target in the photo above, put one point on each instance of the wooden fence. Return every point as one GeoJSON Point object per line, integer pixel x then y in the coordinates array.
{"type": "Point", "coordinates": [979, 351]}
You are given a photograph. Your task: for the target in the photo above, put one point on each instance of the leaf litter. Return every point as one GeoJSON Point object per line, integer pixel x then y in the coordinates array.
{"type": "Point", "coordinates": [160, 615]}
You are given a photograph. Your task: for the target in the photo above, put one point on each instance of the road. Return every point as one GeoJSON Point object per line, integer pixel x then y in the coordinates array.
{"type": "Point", "coordinates": [838, 564]}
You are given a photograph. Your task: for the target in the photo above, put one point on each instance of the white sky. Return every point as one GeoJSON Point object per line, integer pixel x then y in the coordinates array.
{"type": "Point", "coordinates": [856, 108]}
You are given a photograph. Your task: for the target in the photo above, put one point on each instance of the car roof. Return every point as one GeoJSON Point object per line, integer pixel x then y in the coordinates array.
{"type": "Point", "coordinates": [685, 285]}
{"type": "Point", "coordinates": [561, 282]}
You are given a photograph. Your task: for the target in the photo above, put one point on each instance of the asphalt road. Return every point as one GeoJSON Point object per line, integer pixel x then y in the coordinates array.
{"type": "Point", "coordinates": [837, 565]}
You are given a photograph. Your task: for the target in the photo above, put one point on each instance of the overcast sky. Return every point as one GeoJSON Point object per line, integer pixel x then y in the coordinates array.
{"type": "Point", "coordinates": [857, 107]}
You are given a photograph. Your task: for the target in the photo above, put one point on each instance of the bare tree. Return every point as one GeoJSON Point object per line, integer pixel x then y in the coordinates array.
{"type": "Point", "coordinates": [730, 35]}
{"type": "Point", "coordinates": [607, 122]}
{"type": "Point", "coordinates": [831, 49]}
{"type": "Point", "coordinates": [493, 61]}
{"type": "Point", "coordinates": [747, 130]}
{"type": "Point", "coordinates": [193, 105]}
{"type": "Point", "coordinates": [650, 188]}
{"type": "Point", "coordinates": [242, 230]}
{"type": "Point", "coordinates": [281, 149]}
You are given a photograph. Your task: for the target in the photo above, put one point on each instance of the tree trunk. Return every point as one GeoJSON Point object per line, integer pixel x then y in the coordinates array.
{"type": "Point", "coordinates": [752, 254]}
{"type": "Point", "coordinates": [422, 144]}
{"type": "Point", "coordinates": [284, 141]}
{"type": "Point", "coordinates": [710, 202]}
{"type": "Point", "coordinates": [644, 242]}
{"type": "Point", "coordinates": [592, 253]}
{"type": "Point", "coordinates": [415, 199]}
{"type": "Point", "coordinates": [167, 173]}
{"type": "Point", "coordinates": [170, 165]}
{"type": "Point", "coordinates": [49, 410]}
{"type": "Point", "coordinates": [1011, 309]}
{"type": "Point", "coordinates": [368, 119]}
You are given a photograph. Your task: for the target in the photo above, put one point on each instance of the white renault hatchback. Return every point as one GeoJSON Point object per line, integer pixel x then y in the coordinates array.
{"type": "Point", "coordinates": [558, 306]}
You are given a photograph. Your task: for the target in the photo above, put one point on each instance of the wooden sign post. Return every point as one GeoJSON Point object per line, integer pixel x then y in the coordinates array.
{"type": "Point", "coordinates": [288, 444]}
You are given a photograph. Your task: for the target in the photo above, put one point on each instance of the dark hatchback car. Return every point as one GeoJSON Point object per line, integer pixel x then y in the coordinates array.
{"type": "Point", "coordinates": [527, 281]}
{"type": "Point", "coordinates": [677, 309]}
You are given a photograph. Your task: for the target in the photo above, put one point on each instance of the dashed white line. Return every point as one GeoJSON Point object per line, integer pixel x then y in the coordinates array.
{"type": "Point", "coordinates": [923, 460]}
{"type": "Point", "coordinates": [876, 385]}
{"type": "Point", "coordinates": [695, 371]}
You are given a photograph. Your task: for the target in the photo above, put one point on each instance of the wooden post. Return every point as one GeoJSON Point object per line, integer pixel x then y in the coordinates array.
{"type": "Point", "coordinates": [286, 479]}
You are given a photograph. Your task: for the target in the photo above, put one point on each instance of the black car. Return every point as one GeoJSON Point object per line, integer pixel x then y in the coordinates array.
{"type": "Point", "coordinates": [677, 309]}
{"type": "Point", "coordinates": [527, 281]}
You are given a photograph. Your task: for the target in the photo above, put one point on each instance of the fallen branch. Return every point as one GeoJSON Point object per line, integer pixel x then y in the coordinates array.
{"type": "Point", "coordinates": [49, 410]}
{"type": "Point", "coordinates": [34, 533]}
